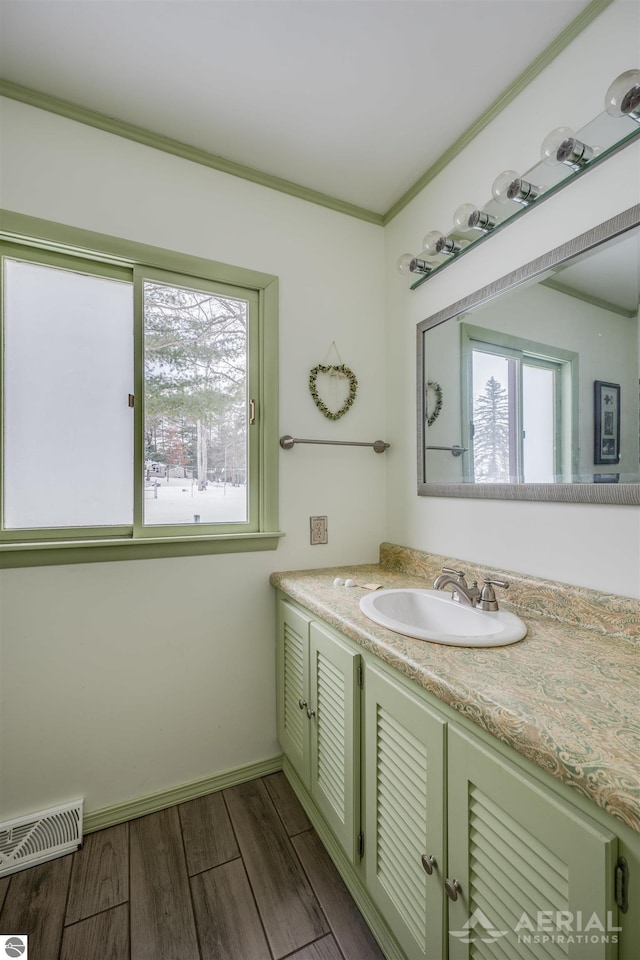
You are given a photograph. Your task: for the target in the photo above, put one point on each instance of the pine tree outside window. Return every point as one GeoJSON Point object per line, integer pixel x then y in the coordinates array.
{"type": "Point", "coordinates": [519, 408]}
{"type": "Point", "coordinates": [196, 402]}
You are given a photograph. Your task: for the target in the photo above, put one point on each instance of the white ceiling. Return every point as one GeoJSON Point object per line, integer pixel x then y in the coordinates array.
{"type": "Point", "coordinates": [352, 98]}
{"type": "Point", "coordinates": [609, 274]}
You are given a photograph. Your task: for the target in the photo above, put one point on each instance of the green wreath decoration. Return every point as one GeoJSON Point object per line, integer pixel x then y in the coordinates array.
{"type": "Point", "coordinates": [340, 370]}
{"type": "Point", "coordinates": [437, 389]}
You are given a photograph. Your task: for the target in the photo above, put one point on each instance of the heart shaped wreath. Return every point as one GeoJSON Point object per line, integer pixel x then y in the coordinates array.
{"type": "Point", "coordinates": [432, 415]}
{"type": "Point", "coordinates": [341, 371]}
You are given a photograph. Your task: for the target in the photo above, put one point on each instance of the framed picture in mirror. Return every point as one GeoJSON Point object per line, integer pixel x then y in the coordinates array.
{"type": "Point", "coordinates": [606, 422]}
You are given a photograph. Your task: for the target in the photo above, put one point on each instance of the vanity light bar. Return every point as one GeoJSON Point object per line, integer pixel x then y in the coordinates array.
{"type": "Point", "coordinates": [564, 155]}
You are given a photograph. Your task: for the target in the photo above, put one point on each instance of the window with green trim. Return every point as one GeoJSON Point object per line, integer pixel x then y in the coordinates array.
{"type": "Point", "coordinates": [519, 408]}
{"type": "Point", "coordinates": [196, 401]}
{"type": "Point", "coordinates": [138, 402]}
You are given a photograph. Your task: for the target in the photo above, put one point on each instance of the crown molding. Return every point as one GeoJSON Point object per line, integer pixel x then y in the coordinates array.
{"type": "Point", "coordinates": [149, 138]}
{"type": "Point", "coordinates": [130, 131]}
{"type": "Point", "coordinates": [593, 10]}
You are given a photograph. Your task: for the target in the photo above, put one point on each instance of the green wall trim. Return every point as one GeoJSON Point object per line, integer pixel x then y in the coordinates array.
{"type": "Point", "coordinates": [587, 298]}
{"type": "Point", "coordinates": [21, 228]}
{"type": "Point", "coordinates": [121, 812]}
{"type": "Point", "coordinates": [593, 10]}
{"type": "Point", "coordinates": [120, 128]}
{"type": "Point", "coordinates": [103, 545]}
{"type": "Point", "coordinates": [130, 131]}
{"type": "Point", "coordinates": [154, 548]}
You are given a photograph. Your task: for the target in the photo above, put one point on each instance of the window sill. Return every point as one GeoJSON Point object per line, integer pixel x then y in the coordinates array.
{"type": "Point", "coordinates": [44, 554]}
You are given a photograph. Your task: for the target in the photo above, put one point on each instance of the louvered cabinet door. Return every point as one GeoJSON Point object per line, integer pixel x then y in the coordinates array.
{"type": "Point", "coordinates": [404, 814]}
{"type": "Point", "coordinates": [335, 735]}
{"type": "Point", "coordinates": [292, 675]}
{"type": "Point", "coordinates": [536, 875]}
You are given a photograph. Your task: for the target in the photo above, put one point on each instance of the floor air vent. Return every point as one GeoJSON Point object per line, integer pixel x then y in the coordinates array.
{"type": "Point", "coordinates": [40, 836]}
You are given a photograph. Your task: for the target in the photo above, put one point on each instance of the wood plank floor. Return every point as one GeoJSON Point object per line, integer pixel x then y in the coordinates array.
{"type": "Point", "coordinates": [236, 875]}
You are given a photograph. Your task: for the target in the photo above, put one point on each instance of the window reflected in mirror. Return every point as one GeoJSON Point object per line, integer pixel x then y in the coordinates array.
{"type": "Point", "coordinates": [518, 408]}
{"type": "Point", "coordinates": [519, 370]}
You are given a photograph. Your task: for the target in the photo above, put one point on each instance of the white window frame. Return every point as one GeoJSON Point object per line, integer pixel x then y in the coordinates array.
{"type": "Point", "coordinates": [564, 364]}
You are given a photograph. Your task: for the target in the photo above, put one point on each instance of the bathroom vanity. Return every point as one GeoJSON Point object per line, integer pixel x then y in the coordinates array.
{"type": "Point", "coordinates": [487, 796]}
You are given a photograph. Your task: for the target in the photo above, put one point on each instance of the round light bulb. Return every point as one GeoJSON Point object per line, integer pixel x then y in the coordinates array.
{"type": "Point", "coordinates": [501, 185]}
{"type": "Point", "coordinates": [410, 264]}
{"type": "Point", "coordinates": [431, 241]}
{"type": "Point", "coordinates": [562, 146]}
{"type": "Point", "coordinates": [552, 143]}
{"type": "Point", "coordinates": [462, 216]}
{"type": "Point", "coordinates": [404, 263]}
{"type": "Point", "coordinates": [623, 96]}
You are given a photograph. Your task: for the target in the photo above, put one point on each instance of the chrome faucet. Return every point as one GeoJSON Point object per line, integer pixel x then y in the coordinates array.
{"type": "Point", "coordinates": [461, 592]}
{"type": "Point", "coordinates": [485, 599]}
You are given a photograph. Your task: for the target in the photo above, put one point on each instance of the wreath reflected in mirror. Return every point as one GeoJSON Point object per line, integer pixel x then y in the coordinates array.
{"type": "Point", "coordinates": [433, 401]}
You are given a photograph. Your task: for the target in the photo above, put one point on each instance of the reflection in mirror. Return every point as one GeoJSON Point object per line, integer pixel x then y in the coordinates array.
{"type": "Point", "coordinates": [536, 379]}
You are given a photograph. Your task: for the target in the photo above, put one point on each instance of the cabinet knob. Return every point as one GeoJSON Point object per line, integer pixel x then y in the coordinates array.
{"type": "Point", "coordinates": [310, 713]}
{"type": "Point", "coordinates": [429, 862]}
{"type": "Point", "coordinates": [302, 704]}
{"type": "Point", "coordinates": [452, 888]}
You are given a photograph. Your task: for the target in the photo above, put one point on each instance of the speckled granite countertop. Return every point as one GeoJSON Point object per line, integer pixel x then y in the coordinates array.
{"type": "Point", "coordinates": [567, 696]}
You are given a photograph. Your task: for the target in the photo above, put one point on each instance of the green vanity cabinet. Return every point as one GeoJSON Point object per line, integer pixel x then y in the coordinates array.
{"type": "Point", "coordinates": [477, 829]}
{"type": "Point", "coordinates": [318, 718]}
{"type": "Point", "coordinates": [536, 876]}
{"type": "Point", "coordinates": [454, 846]}
{"type": "Point", "coordinates": [404, 793]}
{"type": "Point", "coordinates": [292, 677]}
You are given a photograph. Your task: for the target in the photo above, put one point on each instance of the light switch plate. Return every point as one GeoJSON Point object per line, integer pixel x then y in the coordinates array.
{"type": "Point", "coordinates": [319, 530]}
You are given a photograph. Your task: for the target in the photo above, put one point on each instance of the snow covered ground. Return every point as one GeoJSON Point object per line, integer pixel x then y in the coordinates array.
{"type": "Point", "coordinates": [179, 501]}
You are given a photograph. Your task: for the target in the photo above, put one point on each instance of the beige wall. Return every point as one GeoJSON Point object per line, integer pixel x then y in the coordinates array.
{"type": "Point", "coordinates": [124, 679]}
{"type": "Point", "coordinates": [583, 544]}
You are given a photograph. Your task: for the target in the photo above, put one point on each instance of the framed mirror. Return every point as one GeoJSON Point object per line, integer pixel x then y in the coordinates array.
{"type": "Point", "coordinates": [529, 389]}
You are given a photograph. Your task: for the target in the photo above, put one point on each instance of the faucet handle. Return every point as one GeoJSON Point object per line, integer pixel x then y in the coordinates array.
{"type": "Point", "coordinates": [460, 574]}
{"type": "Point", "coordinates": [488, 595]}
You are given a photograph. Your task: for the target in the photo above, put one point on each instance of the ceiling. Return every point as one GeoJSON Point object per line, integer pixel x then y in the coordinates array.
{"type": "Point", "coordinates": [609, 275]}
{"type": "Point", "coordinates": [355, 99]}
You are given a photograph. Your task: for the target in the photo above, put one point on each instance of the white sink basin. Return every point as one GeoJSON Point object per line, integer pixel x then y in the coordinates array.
{"type": "Point", "coordinates": [433, 615]}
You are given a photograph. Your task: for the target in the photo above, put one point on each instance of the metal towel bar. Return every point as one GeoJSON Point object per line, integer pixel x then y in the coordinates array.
{"type": "Point", "coordinates": [455, 450]}
{"type": "Point", "coordinates": [379, 446]}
